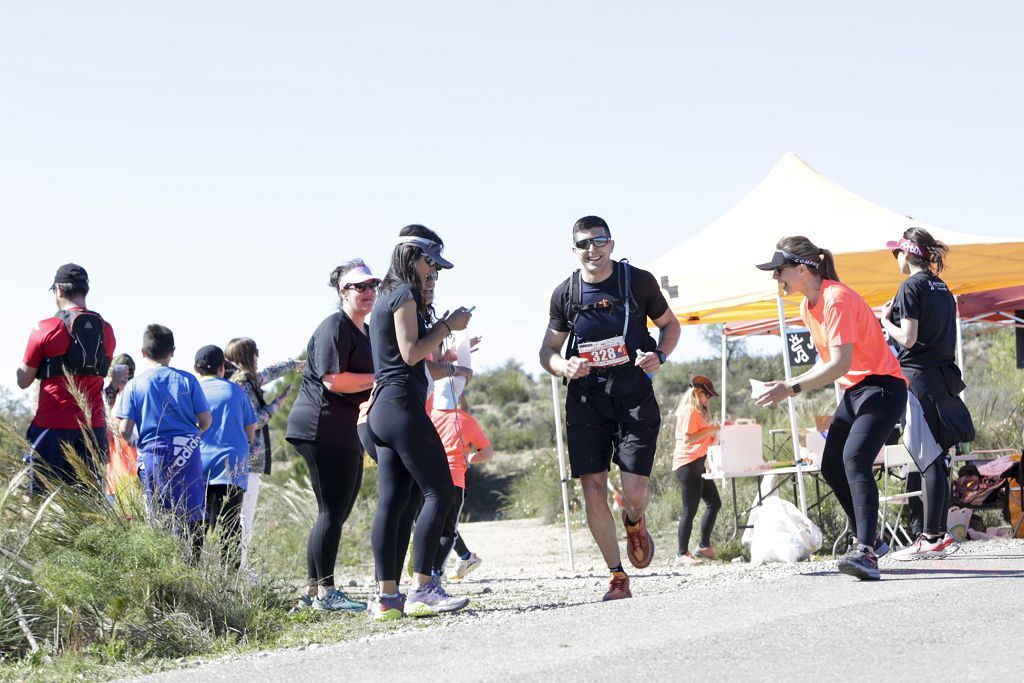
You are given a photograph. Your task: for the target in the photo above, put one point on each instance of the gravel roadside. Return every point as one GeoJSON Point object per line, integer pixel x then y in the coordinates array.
{"type": "Point", "coordinates": [533, 618]}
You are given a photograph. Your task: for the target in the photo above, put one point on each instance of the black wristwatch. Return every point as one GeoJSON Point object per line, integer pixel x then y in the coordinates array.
{"type": "Point", "coordinates": [795, 386]}
{"type": "Point", "coordinates": [662, 358]}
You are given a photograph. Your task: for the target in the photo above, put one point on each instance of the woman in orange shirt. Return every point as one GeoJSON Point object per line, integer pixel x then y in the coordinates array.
{"type": "Point", "coordinates": [694, 433]}
{"type": "Point", "coordinates": [852, 353]}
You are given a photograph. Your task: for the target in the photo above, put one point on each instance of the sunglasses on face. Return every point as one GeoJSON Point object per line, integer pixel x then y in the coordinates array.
{"type": "Point", "coordinates": [598, 242]}
{"type": "Point", "coordinates": [363, 287]}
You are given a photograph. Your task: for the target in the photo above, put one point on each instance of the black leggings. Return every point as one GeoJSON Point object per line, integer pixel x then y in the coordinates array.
{"type": "Point", "coordinates": [864, 418]}
{"type": "Point", "coordinates": [412, 508]}
{"type": "Point", "coordinates": [450, 534]}
{"type": "Point", "coordinates": [929, 514]}
{"type": "Point", "coordinates": [224, 508]}
{"type": "Point", "coordinates": [696, 488]}
{"type": "Point", "coordinates": [409, 452]}
{"type": "Point", "coordinates": [335, 472]}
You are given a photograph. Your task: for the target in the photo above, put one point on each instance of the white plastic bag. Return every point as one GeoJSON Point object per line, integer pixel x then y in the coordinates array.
{"type": "Point", "coordinates": [781, 533]}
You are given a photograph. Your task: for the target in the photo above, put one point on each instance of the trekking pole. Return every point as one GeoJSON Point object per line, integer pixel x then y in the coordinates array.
{"type": "Point", "coordinates": [561, 469]}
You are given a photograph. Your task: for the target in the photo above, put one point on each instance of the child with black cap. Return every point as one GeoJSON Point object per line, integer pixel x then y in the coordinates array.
{"type": "Point", "coordinates": [224, 449]}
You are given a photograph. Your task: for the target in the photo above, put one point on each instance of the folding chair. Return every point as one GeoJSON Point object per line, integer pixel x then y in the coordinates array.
{"type": "Point", "coordinates": [896, 457]}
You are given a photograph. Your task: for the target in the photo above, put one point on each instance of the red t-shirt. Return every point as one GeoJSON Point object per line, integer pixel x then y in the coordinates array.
{"type": "Point", "coordinates": [841, 316]}
{"type": "Point", "coordinates": [57, 408]}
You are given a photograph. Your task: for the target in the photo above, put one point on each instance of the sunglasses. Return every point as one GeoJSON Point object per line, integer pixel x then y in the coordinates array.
{"type": "Point", "coordinates": [363, 286]}
{"type": "Point", "coordinates": [598, 242]}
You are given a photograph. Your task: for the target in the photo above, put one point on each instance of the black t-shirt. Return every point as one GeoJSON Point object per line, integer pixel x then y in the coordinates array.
{"type": "Point", "coordinates": [388, 366]}
{"type": "Point", "coordinates": [603, 323]}
{"type": "Point", "coordinates": [925, 298]}
{"type": "Point", "coordinates": [319, 414]}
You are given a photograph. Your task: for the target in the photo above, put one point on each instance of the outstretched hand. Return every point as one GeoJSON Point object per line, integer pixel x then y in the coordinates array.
{"type": "Point", "coordinates": [775, 393]}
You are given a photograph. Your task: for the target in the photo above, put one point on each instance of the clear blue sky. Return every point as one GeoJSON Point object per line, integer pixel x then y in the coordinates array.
{"type": "Point", "coordinates": [209, 163]}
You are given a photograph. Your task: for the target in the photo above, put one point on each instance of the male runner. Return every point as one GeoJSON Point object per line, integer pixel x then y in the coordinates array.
{"type": "Point", "coordinates": [611, 414]}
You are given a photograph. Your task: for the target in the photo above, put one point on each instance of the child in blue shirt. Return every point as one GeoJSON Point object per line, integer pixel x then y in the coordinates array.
{"type": "Point", "coordinates": [171, 412]}
{"type": "Point", "coordinates": [225, 449]}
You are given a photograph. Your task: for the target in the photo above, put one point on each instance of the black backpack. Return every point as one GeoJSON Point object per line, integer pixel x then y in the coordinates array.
{"type": "Point", "coordinates": [86, 355]}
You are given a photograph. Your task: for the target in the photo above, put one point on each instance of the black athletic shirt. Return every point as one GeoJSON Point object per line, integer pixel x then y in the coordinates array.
{"type": "Point", "coordinates": [388, 366]}
{"type": "Point", "coordinates": [925, 298]}
{"type": "Point", "coordinates": [603, 323]}
{"type": "Point", "coordinates": [319, 414]}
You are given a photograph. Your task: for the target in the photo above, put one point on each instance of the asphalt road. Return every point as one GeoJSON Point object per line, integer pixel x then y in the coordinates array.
{"type": "Point", "coordinates": [959, 619]}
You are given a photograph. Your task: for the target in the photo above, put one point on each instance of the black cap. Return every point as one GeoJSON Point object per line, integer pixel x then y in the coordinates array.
{"type": "Point", "coordinates": [784, 258]}
{"type": "Point", "coordinates": [702, 382]}
{"type": "Point", "coordinates": [209, 359]}
{"type": "Point", "coordinates": [70, 274]}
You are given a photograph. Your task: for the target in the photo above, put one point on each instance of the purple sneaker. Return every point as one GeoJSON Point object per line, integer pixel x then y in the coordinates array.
{"type": "Point", "coordinates": [430, 600]}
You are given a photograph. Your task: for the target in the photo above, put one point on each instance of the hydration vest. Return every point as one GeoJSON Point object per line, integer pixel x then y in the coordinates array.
{"type": "Point", "coordinates": [86, 355]}
{"type": "Point", "coordinates": [576, 305]}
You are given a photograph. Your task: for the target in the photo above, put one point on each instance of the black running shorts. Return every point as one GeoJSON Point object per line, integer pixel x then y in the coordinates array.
{"type": "Point", "coordinates": [603, 429]}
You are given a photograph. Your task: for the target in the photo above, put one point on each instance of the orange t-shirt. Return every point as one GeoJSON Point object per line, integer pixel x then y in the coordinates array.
{"type": "Point", "coordinates": [690, 422]}
{"type": "Point", "coordinates": [841, 316]}
{"type": "Point", "coordinates": [459, 433]}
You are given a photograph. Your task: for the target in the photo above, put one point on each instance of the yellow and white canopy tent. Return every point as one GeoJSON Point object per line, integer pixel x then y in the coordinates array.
{"type": "Point", "coordinates": [711, 278]}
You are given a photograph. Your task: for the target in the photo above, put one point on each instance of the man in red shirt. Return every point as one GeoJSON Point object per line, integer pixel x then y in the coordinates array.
{"type": "Point", "coordinates": [59, 419]}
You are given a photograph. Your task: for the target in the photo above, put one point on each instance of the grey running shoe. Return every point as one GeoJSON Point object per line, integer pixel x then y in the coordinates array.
{"type": "Point", "coordinates": [860, 562]}
{"type": "Point", "coordinates": [336, 601]}
{"type": "Point", "coordinates": [431, 599]}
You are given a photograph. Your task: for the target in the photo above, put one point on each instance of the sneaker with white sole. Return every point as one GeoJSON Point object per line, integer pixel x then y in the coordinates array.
{"type": "Point", "coordinates": [702, 553]}
{"type": "Point", "coordinates": [464, 567]}
{"type": "Point", "coordinates": [336, 601]}
{"type": "Point", "coordinates": [950, 543]}
{"type": "Point", "coordinates": [432, 599]}
{"type": "Point", "coordinates": [685, 560]}
{"type": "Point", "coordinates": [922, 549]}
{"type": "Point", "coordinates": [860, 562]}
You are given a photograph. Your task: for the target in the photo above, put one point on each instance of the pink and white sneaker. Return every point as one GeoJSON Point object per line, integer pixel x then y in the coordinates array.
{"type": "Point", "coordinates": [922, 549]}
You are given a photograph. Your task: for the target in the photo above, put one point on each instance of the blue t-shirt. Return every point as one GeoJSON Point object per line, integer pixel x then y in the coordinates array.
{"type": "Point", "coordinates": [225, 448]}
{"type": "Point", "coordinates": [164, 403]}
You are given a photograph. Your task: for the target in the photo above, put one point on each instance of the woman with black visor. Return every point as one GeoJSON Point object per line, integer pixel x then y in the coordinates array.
{"type": "Point", "coordinates": [407, 445]}
{"type": "Point", "coordinates": [922, 320]}
{"type": "Point", "coordinates": [854, 354]}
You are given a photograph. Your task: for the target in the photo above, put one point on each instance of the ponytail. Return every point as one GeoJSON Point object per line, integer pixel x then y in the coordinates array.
{"type": "Point", "coordinates": [804, 248]}
{"type": "Point", "coordinates": [936, 250]}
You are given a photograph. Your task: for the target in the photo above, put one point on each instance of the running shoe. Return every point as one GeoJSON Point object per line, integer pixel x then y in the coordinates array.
{"type": "Point", "coordinates": [860, 562]}
{"type": "Point", "coordinates": [922, 549]}
{"type": "Point", "coordinates": [639, 544]}
{"type": "Point", "coordinates": [618, 587]}
{"type": "Point", "coordinates": [950, 543]}
{"type": "Point", "coordinates": [705, 553]}
{"type": "Point", "coordinates": [685, 560]}
{"type": "Point", "coordinates": [336, 601]}
{"type": "Point", "coordinates": [881, 548]}
{"type": "Point", "coordinates": [304, 602]}
{"type": "Point", "coordinates": [464, 567]}
{"type": "Point", "coordinates": [431, 599]}
{"type": "Point", "coordinates": [387, 608]}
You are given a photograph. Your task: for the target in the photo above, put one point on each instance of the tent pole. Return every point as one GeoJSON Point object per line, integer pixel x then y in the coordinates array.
{"type": "Point", "coordinates": [792, 409]}
{"type": "Point", "coordinates": [725, 376]}
{"type": "Point", "coordinates": [561, 469]}
{"type": "Point", "coordinates": [960, 352]}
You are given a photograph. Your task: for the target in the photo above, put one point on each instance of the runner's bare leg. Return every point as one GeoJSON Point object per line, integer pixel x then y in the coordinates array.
{"type": "Point", "coordinates": [599, 517]}
{"type": "Point", "coordinates": [636, 494]}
